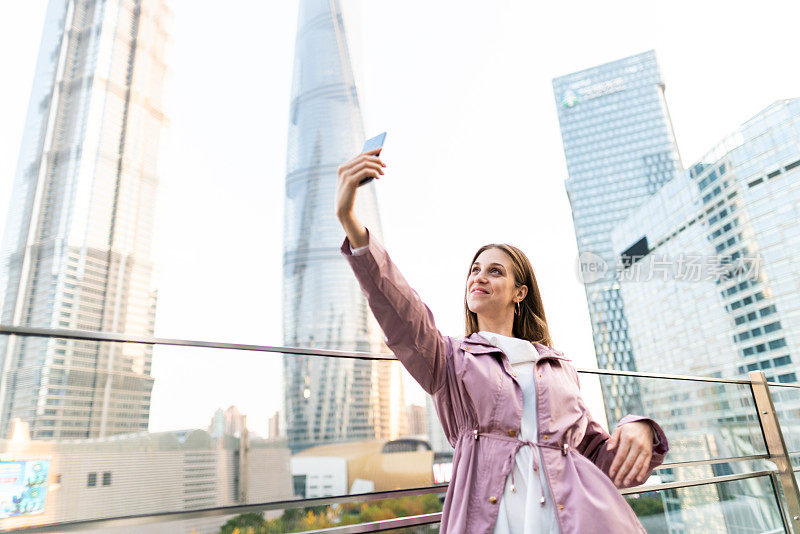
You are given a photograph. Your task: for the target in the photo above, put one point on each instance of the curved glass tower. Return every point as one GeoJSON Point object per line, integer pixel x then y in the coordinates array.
{"type": "Point", "coordinates": [326, 400]}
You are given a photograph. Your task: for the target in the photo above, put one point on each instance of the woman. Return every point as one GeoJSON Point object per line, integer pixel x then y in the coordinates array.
{"type": "Point", "coordinates": [528, 456]}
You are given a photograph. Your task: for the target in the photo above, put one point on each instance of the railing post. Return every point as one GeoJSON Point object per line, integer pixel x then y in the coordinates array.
{"type": "Point", "coordinates": [776, 447]}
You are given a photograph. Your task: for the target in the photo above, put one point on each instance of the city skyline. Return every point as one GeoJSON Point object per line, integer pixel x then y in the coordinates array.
{"type": "Point", "coordinates": [435, 151]}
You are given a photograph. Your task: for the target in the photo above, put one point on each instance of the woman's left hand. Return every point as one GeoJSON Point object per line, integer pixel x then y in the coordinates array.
{"type": "Point", "coordinates": [634, 444]}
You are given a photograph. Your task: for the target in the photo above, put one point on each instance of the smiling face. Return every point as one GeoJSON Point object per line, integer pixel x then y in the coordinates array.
{"type": "Point", "coordinates": [491, 288]}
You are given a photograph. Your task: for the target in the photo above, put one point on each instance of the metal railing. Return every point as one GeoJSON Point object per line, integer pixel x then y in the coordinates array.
{"type": "Point", "coordinates": [782, 478]}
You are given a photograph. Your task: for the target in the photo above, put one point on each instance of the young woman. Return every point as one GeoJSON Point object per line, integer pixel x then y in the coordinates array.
{"type": "Point", "coordinates": [528, 458]}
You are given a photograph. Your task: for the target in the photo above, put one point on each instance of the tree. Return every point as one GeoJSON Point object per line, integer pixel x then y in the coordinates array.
{"type": "Point", "coordinates": [244, 523]}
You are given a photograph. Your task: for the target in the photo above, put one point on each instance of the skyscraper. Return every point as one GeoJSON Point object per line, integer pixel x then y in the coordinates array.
{"type": "Point", "coordinates": [76, 250]}
{"type": "Point", "coordinates": [714, 286]}
{"type": "Point", "coordinates": [620, 149]}
{"type": "Point", "coordinates": [327, 399]}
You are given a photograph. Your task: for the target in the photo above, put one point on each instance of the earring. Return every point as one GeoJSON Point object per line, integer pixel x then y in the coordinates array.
{"type": "Point", "coordinates": [517, 307]}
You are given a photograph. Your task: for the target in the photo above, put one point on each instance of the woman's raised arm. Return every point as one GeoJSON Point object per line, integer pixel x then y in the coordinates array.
{"type": "Point", "coordinates": [406, 321]}
{"type": "Point", "coordinates": [349, 177]}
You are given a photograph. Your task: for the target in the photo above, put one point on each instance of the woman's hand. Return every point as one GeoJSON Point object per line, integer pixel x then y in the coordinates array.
{"type": "Point", "coordinates": [634, 444]}
{"type": "Point", "coordinates": [350, 175]}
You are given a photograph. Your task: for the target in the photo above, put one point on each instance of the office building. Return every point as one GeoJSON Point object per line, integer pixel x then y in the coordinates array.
{"type": "Point", "coordinates": [709, 283]}
{"type": "Point", "coordinates": [327, 399]}
{"type": "Point", "coordinates": [619, 149]}
{"type": "Point", "coordinates": [77, 246]}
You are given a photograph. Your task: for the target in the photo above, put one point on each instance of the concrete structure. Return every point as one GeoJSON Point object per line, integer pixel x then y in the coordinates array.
{"type": "Point", "coordinates": [710, 287]}
{"type": "Point", "coordinates": [77, 246]}
{"type": "Point", "coordinates": [619, 149]}
{"type": "Point", "coordinates": [151, 473]}
{"type": "Point", "coordinates": [328, 400]}
{"type": "Point", "coordinates": [362, 466]}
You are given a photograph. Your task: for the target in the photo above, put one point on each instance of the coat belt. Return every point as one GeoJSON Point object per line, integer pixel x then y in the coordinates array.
{"type": "Point", "coordinates": [518, 444]}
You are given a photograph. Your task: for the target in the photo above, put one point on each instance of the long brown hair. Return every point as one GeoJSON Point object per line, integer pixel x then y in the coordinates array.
{"type": "Point", "coordinates": [530, 323]}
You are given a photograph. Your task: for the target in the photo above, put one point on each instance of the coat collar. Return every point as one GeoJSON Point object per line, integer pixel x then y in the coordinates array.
{"type": "Point", "coordinates": [476, 345]}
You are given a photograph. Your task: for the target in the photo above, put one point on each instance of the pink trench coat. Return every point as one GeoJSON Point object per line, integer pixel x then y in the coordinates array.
{"type": "Point", "coordinates": [479, 403]}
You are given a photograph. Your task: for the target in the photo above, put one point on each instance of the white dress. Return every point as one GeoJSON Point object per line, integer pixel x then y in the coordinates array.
{"type": "Point", "coordinates": [521, 511]}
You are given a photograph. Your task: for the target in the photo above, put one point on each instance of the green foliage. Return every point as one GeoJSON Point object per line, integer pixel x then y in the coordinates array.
{"type": "Point", "coordinates": [300, 519]}
{"type": "Point", "coordinates": [644, 506]}
{"type": "Point", "coordinates": [243, 523]}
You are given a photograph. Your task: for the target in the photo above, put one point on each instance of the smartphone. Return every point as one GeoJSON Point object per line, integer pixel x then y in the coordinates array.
{"type": "Point", "coordinates": [372, 144]}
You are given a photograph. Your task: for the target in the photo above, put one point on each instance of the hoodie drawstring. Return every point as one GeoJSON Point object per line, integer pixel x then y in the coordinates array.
{"type": "Point", "coordinates": [518, 445]}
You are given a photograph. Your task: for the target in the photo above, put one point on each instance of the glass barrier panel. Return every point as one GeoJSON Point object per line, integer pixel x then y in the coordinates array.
{"type": "Point", "coordinates": [703, 420]}
{"type": "Point", "coordinates": [745, 506]}
{"type": "Point", "coordinates": [787, 406]}
{"type": "Point", "coordinates": [99, 429]}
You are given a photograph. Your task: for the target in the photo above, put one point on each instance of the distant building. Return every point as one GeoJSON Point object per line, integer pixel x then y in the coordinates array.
{"type": "Point", "coordinates": [416, 420]}
{"type": "Point", "coordinates": [235, 421]}
{"type": "Point", "coordinates": [435, 432]}
{"type": "Point", "coordinates": [77, 245]}
{"type": "Point", "coordinates": [274, 426]}
{"type": "Point", "coordinates": [620, 149]}
{"type": "Point", "coordinates": [328, 400]}
{"type": "Point", "coordinates": [149, 473]}
{"type": "Point", "coordinates": [362, 466]}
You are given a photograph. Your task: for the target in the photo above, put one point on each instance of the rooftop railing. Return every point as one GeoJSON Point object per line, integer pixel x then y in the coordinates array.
{"type": "Point", "coordinates": [734, 454]}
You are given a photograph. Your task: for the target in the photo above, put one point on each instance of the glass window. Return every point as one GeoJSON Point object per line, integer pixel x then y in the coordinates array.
{"type": "Point", "coordinates": [778, 343]}
{"type": "Point", "coordinates": [91, 481]}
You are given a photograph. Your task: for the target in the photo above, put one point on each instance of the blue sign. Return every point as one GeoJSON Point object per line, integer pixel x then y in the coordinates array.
{"type": "Point", "coordinates": [23, 487]}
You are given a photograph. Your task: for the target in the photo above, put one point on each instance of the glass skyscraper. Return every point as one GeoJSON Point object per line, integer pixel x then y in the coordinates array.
{"type": "Point", "coordinates": [76, 250]}
{"type": "Point", "coordinates": [328, 399]}
{"type": "Point", "coordinates": [715, 289]}
{"type": "Point", "coordinates": [619, 149]}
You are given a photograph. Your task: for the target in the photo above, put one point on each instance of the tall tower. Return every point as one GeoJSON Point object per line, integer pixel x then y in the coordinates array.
{"type": "Point", "coordinates": [620, 149]}
{"type": "Point", "coordinates": [327, 399]}
{"type": "Point", "coordinates": [77, 246]}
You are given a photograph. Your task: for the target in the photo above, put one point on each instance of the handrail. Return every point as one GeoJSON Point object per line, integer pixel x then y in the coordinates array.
{"type": "Point", "coordinates": [89, 335]}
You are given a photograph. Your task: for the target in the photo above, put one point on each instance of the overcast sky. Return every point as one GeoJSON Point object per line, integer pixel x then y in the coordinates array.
{"type": "Point", "coordinates": [474, 154]}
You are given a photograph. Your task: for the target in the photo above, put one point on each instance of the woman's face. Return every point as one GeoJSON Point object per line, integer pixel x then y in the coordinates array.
{"type": "Point", "coordinates": [490, 285]}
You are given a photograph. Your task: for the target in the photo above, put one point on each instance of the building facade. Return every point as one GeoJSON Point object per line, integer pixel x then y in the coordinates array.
{"type": "Point", "coordinates": [145, 473]}
{"type": "Point", "coordinates": [327, 399]}
{"type": "Point", "coordinates": [619, 149]}
{"type": "Point", "coordinates": [77, 246]}
{"type": "Point", "coordinates": [710, 285]}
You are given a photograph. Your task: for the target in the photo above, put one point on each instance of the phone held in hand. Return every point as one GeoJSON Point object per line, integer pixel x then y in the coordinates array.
{"type": "Point", "coordinates": [372, 144]}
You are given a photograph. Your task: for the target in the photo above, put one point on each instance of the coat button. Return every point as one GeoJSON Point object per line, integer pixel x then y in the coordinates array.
{"type": "Point", "coordinates": [545, 437]}
{"type": "Point", "coordinates": [560, 506]}
{"type": "Point", "coordinates": [512, 433]}
{"type": "Point", "coordinates": [493, 500]}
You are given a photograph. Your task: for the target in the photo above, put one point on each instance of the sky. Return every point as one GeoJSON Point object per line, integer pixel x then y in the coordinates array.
{"type": "Point", "coordinates": [473, 153]}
